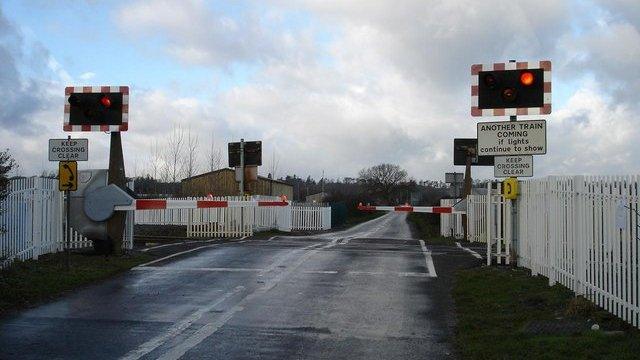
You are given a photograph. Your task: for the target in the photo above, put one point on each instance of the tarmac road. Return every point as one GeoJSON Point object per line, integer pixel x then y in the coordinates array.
{"type": "Point", "coordinates": [370, 292]}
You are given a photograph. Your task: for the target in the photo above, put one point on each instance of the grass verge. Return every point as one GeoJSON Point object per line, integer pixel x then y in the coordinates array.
{"type": "Point", "coordinates": [504, 313]}
{"type": "Point", "coordinates": [27, 283]}
{"type": "Point", "coordinates": [427, 227]}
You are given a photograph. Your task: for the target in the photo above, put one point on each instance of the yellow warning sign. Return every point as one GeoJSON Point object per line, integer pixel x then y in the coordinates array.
{"type": "Point", "coordinates": [510, 188]}
{"type": "Point", "coordinates": [68, 176]}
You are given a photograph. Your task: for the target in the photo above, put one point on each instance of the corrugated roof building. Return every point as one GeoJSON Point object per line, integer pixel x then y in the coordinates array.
{"type": "Point", "coordinates": [222, 182]}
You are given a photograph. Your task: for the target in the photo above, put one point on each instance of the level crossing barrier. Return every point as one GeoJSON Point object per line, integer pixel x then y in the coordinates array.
{"type": "Point", "coordinates": [32, 221]}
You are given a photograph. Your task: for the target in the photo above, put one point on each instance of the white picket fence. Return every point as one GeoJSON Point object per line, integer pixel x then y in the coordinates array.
{"type": "Point", "coordinates": [451, 224]}
{"type": "Point", "coordinates": [310, 217]}
{"type": "Point", "coordinates": [478, 222]}
{"type": "Point", "coordinates": [582, 232]}
{"type": "Point", "coordinates": [32, 219]}
{"type": "Point", "coordinates": [579, 231]}
{"type": "Point", "coordinates": [240, 221]}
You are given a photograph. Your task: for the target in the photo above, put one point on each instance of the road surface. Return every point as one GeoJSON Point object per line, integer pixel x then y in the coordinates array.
{"type": "Point", "coordinates": [370, 292]}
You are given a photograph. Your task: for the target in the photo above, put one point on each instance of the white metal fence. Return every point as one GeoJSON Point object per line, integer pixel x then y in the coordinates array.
{"type": "Point", "coordinates": [480, 227]}
{"type": "Point", "coordinates": [32, 221]}
{"type": "Point", "coordinates": [240, 221]}
{"type": "Point", "coordinates": [451, 224]}
{"type": "Point", "coordinates": [582, 232]}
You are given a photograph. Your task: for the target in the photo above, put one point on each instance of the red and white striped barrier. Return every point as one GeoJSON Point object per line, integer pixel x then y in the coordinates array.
{"type": "Point", "coordinates": [409, 208]}
{"type": "Point", "coordinates": [162, 204]}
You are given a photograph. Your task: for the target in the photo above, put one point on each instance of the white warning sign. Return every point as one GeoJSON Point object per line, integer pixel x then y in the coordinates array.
{"type": "Point", "coordinates": [68, 149]}
{"type": "Point", "coordinates": [516, 166]}
{"type": "Point", "coordinates": [503, 138]}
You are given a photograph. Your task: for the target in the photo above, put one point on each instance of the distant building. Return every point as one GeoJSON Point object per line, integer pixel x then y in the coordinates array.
{"type": "Point", "coordinates": [223, 183]}
{"type": "Point", "coordinates": [316, 198]}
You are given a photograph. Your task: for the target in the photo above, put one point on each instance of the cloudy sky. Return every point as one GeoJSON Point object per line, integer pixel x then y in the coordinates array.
{"type": "Point", "coordinates": [331, 85]}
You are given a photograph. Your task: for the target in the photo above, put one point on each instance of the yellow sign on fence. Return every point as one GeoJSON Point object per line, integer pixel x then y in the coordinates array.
{"type": "Point", "coordinates": [510, 188]}
{"type": "Point", "coordinates": [68, 176]}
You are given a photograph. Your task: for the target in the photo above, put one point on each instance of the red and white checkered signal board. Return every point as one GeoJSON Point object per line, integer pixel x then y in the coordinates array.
{"type": "Point", "coordinates": [121, 108]}
{"type": "Point", "coordinates": [521, 65]}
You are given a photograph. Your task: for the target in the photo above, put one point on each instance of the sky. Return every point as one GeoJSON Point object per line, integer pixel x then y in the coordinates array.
{"type": "Point", "coordinates": [329, 86]}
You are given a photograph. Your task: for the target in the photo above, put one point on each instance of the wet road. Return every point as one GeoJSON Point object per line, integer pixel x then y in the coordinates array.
{"type": "Point", "coordinates": [370, 292]}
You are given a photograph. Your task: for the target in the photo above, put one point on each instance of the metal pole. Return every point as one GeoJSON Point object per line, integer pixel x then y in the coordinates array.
{"type": "Point", "coordinates": [67, 249]}
{"type": "Point", "coordinates": [514, 212]}
{"type": "Point", "coordinates": [467, 191]}
{"type": "Point", "coordinates": [241, 167]}
{"type": "Point", "coordinates": [242, 183]}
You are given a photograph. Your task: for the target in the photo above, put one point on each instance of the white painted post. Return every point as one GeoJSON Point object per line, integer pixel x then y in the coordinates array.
{"type": "Point", "coordinates": [488, 218]}
{"type": "Point", "coordinates": [36, 230]}
{"type": "Point", "coordinates": [579, 235]}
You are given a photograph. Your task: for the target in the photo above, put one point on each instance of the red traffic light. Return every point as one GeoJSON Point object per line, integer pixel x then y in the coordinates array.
{"type": "Point", "coordinates": [105, 101]}
{"type": "Point", "coordinates": [526, 78]}
{"type": "Point", "coordinates": [490, 81]}
{"type": "Point", "coordinates": [509, 94]}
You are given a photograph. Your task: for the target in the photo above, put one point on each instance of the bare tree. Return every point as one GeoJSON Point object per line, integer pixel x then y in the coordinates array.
{"type": "Point", "coordinates": [383, 181]}
{"type": "Point", "coordinates": [7, 164]}
{"type": "Point", "coordinates": [155, 160]}
{"type": "Point", "coordinates": [273, 165]}
{"type": "Point", "coordinates": [174, 164]}
{"type": "Point", "coordinates": [192, 154]}
{"type": "Point", "coordinates": [214, 156]}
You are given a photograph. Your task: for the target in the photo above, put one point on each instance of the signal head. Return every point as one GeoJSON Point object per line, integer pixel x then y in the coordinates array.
{"type": "Point", "coordinates": [527, 78]}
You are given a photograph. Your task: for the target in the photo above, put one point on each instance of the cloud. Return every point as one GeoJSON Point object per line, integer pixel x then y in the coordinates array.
{"type": "Point", "coordinates": [392, 83]}
{"type": "Point", "coordinates": [87, 76]}
{"type": "Point", "coordinates": [611, 53]}
{"type": "Point", "coordinates": [198, 34]}
{"type": "Point", "coordinates": [342, 85]}
{"type": "Point", "coordinates": [22, 96]}
{"type": "Point", "coordinates": [592, 135]}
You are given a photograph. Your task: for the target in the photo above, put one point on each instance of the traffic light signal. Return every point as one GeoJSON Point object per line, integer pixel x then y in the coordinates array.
{"type": "Point", "coordinates": [511, 89]}
{"type": "Point", "coordinates": [101, 108]}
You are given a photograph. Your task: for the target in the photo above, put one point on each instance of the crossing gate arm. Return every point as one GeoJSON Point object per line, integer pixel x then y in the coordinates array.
{"type": "Point", "coordinates": [409, 208]}
{"type": "Point", "coordinates": [162, 204]}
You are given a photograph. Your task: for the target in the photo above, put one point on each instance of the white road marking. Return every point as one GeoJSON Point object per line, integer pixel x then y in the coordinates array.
{"type": "Point", "coordinates": [475, 254]}
{"type": "Point", "coordinates": [332, 272]}
{"type": "Point", "coordinates": [284, 257]}
{"type": "Point", "coordinates": [177, 328]}
{"type": "Point", "coordinates": [190, 250]}
{"type": "Point", "coordinates": [176, 254]}
{"type": "Point", "coordinates": [165, 245]}
{"type": "Point", "coordinates": [211, 269]}
{"type": "Point", "coordinates": [209, 329]}
{"type": "Point", "coordinates": [428, 259]}
{"type": "Point", "coordinates": [384, 273]}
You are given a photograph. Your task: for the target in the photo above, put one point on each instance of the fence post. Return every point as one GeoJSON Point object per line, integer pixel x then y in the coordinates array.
{"type": "Point", "coordinates": [488, 219]}
{"type": "Point", "coordinates": [553, 223]}
{"type": "Point", "coordinates": [189, 222]}
{"type": "Point", "coordinates": [578, 235]}
{"type": "Point", "coordinates": [36, 230]}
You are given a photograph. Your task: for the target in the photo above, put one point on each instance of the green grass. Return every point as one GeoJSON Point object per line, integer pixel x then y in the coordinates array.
{"type": "Point", "coordinates": [497, 307]}
{"type": "Point", "coordinates": [31, 282]}
{"type": "Point", "coordinates": [427, 227]}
